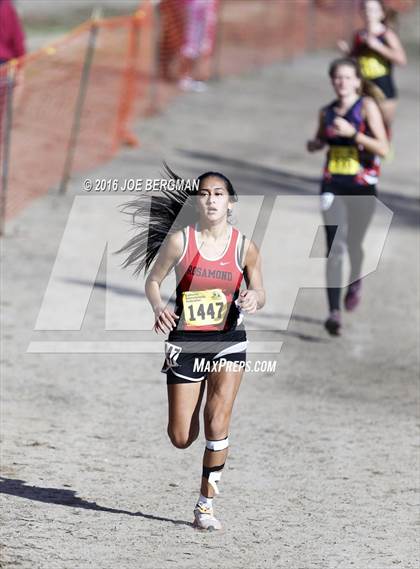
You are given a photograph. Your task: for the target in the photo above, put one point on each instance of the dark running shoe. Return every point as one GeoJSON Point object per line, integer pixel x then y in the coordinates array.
{"type": "Point", "coordinates": [353, 296]}
{"type": "Point", "coordinates": [333, 323]}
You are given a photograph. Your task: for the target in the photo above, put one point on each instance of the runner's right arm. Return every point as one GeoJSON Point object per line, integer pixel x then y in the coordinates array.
{"type": "Point", "coordinates": [317, 143]}
{"type": "Point", "coordinates": [168, 256]}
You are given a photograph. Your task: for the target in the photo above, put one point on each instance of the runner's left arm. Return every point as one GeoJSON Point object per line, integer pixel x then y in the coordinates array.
{"type": "Point", "coordinates": [394, 51]}
{"type": "Point", "coordinates": [253, 298]}
{"type": "Point", "coordinates": [377, 143]}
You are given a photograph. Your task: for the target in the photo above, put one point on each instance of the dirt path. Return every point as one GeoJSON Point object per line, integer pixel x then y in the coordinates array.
{"type": "Point", "coordinates": [322, 466]}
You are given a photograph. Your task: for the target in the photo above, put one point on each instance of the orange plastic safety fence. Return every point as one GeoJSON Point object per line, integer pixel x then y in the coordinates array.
{"type": "Point", "coordinates": [247, 34]}
{"type": "Point", "coordinates": [59, 101]}
{"type": "Point", "coordinates": [44, 95]}
{"type": "Point", "coordinates": [253, 33]}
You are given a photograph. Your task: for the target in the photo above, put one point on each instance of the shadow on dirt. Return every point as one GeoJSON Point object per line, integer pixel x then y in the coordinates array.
{"type": "Point", "coordinates": [64, 497]}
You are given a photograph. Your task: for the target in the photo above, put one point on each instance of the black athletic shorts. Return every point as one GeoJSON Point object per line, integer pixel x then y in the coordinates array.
{"type": "Point", "coordinates": [386, 85]}
{"type": "Point", "coordinates": [190, 356]}
{"type": "Point", "coordinates": [346, 188]}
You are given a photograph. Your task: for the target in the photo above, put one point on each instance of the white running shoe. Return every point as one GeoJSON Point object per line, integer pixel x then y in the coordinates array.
{"type": "Point", "coordinates": [204, 518]}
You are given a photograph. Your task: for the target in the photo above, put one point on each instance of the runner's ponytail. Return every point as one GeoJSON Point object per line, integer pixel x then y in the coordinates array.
{"type": "Point", "coordinates": [155, 217]}
{"type": "Point", "coordinates": [163, 214]}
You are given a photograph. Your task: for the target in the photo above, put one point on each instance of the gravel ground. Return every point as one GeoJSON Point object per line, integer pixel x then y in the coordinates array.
{"type": "Point", "coordinates": [323, 464]}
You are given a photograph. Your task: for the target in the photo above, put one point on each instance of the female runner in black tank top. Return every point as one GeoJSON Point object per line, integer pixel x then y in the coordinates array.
{"type": "Point", "coordinates": [197, 249]}
{"type": "Point", "coordinates": [352, 127]}
{"type": "Point", "coordinates": [377, 48]}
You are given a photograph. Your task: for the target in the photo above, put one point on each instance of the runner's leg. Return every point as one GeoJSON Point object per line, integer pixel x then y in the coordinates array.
{"type": "Point", "coordinates": [222, 387]}
{"type": "Point", "coordinates": [388, 108]}
{"type": "Point", "coordinates": [335, 221]}
{"type": "Point", "coordinates": [184, 402]}
{"type": "Point", "coordinates": [360, 212]}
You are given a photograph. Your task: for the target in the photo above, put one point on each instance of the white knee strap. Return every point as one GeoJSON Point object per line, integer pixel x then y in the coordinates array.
{"type": "Point", "coordinates": [217, 445]}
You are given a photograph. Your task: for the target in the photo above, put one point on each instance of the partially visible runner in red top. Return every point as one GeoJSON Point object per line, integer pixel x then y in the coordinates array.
{"type": "Point", "coordinates": [12, 37]}
{"type": "Point", "coordinates": [12, 45]}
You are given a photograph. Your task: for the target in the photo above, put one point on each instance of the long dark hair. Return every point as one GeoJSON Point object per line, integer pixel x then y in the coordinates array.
{"type": "Point", "coordinates": [368, 89]}
{"type": "Point", "coordinates": [154, 218]}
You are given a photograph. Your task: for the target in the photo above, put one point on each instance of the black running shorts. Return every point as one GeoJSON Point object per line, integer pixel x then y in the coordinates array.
{"type": "Point", "coordinates": [189, 356]}
{"type": "Point", "coordinates": [386, 85]}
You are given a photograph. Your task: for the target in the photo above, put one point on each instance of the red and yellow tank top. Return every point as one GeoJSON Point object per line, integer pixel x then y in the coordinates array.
{"type": "Point", "coordinates": [208, 288]}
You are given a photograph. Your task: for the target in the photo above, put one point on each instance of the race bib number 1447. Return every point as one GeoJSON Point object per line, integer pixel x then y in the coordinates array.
{"type": "Point", "coordinates": [204, 307]}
